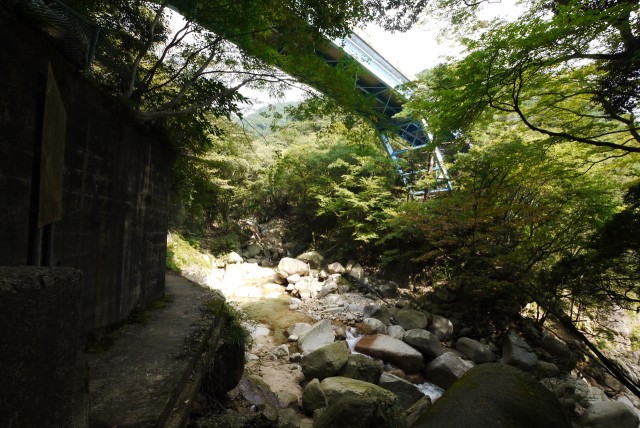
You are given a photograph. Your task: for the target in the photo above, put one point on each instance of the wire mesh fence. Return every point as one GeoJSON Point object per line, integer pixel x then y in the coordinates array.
{"type": "Point", "coordinates": [73, 34]}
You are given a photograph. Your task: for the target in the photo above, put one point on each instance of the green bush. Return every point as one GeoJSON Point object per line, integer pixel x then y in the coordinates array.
{"type": "Point", "coordinates": [182, 255]}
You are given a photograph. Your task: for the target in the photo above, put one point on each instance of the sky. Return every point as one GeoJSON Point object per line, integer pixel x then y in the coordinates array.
{"type": "Point", "coordinates": [419, 48]}
{"type": "Point", "coordinates": [410, 52]}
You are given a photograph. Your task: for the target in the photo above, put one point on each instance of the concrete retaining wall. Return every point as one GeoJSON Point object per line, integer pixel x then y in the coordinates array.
{"type": "Point", "coordinates": [40, 316]}
{"type": "Point", "coordinates": [115, 182]}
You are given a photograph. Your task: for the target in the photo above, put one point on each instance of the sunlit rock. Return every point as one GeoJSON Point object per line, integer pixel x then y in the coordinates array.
{"type": "Point", "coordinates": [319, 335]}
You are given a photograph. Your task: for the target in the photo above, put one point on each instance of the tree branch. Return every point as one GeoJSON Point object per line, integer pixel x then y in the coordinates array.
{"type": "Point", "coordinates": [165, 112]}
{"type": "Point", "coordinates": [178, 37]}
{"type": "Point", "coordinates": [563, 135]}
{"type": "Point", "coordinates": [144, 50]}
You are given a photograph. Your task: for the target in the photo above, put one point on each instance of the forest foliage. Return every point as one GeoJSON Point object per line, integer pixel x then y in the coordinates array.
{"type": "Point", "coordinates": [539, 119]}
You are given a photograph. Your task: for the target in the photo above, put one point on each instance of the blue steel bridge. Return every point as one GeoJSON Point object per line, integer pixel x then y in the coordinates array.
{"type": "Point", "coordinates": [379, 80]}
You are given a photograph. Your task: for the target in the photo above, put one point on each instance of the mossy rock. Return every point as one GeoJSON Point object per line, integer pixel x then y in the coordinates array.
{"type": "Point", "coordinates": [496, 395]}
{"type": "Point", "coordinates": [224, 371]}
{"type": "Point", "coordinates": [225, 368]}
{"type": "Point", "coordinates": [375, 408]}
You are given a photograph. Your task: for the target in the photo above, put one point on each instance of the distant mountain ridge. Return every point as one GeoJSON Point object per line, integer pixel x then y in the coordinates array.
{"type": "Point", "coordinates": [261, 120]}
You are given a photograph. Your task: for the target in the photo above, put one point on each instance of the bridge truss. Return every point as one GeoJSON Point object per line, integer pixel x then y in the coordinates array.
{"type": "Point", "coordinates": [405, 139]}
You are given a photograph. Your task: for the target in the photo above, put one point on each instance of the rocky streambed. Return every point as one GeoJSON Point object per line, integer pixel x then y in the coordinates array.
{"type": "Point", "coordinates": [334, 347]}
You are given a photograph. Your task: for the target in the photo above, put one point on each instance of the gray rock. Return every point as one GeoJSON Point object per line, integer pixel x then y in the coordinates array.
{"type": "Point", "coordinates": [419, 408]}
{"type": "Point", "coordinates": [611, 382]}
{"type": "Point", "coordinates": [465, 331]}
{"type": "Point", "coordinates": [396, 331]}
{"type": "Point", "coordinates": [336, 267]}
{"type": "Point", "coordinates": [372, 326]}
{"type": "Point", "coordinates": [295, 357]}
{"type": "Point", "coordinates": [312, 397]}
{"type": "Point", "coordinates": [441, 327]}
{"type": "Point", "coordinates": [385, 288]}
{"type": "Point", "coordinates": [516, 352]}
{"type": "Point", "coordinates": [563, 357]}
{"type": "Point", "coordinates": [569, 389]}
{"type": "Point", "coordinates": [319, 335]}
{"type": "Point", "coordinates": [622, 398]}
{"type": "Point", "coordinates": [289, 266]}
{"type": "Point", "coordinates": [325, 361]}
{"type": "Point", "coordinates": [279, 279]}
{"type": "Point", "coordinates": [314, 258]}
{"type": "Point", "coordinates": [299, 328]}
{"type": "Point", "coordinates": [411, 319]}
{"type": "Point", "coordinates": [357, 272]}
{"type": "Point", "coordinates": [446, 369]}
{"type": "Point", "coordinates": [544, 369]}
{"type": "Point", "coordinates": [495, 395]}
{"type": "Point", "coordinates": [609, 414]}
{"type": "Point", "coordinates": [406, 392]}
{"type": "Point", "coordinates": [391, 350]}
{"type": "Point", "coordinates": [355, 308]}
{"type": "Point", "coordinates": [362, 368]}
{"type": "Point", "coordinates": [335, 300]}
{"type": "Point", "coordinates": [404, 304]}
{"type": "Point", "coordinates": [257, 392]}
{"type": "Point", "coordinates": [253, 250]}
{"type": "Point", "coordinates": [281, 351]}
{"type": "Point", "coordinates": [379, 312]}
{"type": "Point", "coordinates": [339, 331]}
{"type": "Point", "coordinates": [424, 341]}
{"type": "Point", "coordinates": [475, 351]}
{"type": "Point", "coordinates": [329, 286]}
{"type": "Point", "coordinates": [306, 288]}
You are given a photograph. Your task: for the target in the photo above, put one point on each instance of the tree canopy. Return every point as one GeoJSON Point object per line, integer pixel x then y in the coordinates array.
{"type": "Point", "coordinates": [569, 70]}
